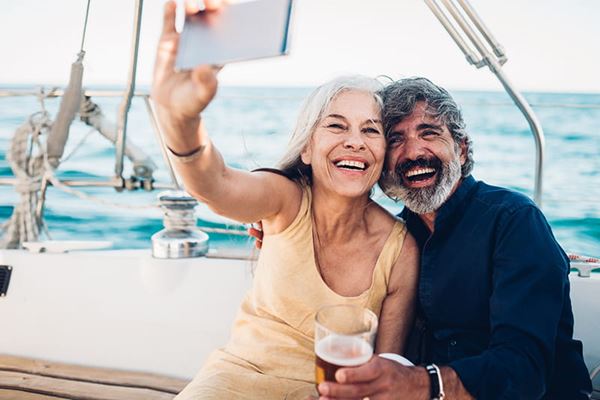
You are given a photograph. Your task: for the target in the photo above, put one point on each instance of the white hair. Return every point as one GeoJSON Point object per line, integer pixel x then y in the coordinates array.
{"type": "Point", "coordinates": [310, 115]}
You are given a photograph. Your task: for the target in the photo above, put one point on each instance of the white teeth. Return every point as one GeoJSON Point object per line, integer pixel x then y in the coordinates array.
{"type": "Point", "coordinates": [419, 171]}
{"type": "Point", "coordinates": [351, 164]}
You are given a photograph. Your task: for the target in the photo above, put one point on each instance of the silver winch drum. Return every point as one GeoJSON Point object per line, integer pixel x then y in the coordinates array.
{"type": "Point", "coordinates": [180, 238]}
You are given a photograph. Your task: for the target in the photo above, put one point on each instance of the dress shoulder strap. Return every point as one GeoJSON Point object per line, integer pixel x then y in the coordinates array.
{"type": "Point", "coordinates": [391, 250]}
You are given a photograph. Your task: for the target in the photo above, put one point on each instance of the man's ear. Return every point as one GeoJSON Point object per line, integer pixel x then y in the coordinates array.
{"type": "Point", "coordinates": [463, 152]}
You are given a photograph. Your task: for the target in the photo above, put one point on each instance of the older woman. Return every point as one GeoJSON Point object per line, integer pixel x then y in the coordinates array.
{"type": "Point", "coordinates": [326, 241]}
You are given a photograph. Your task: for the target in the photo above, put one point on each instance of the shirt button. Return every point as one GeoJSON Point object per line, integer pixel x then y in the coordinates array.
{"type": "Point", "coordinates": [453, 343]}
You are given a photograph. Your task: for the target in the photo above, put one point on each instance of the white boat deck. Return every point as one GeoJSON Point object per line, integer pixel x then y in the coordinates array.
{"type": "Point", "coordinates": [123, 309]}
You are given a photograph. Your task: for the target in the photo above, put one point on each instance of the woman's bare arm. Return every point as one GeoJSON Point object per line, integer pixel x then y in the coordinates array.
{"type": "Point", "coordinates": [398, 310]}
{"type": "Point", "coordinates": [239, 195]}
{"type": "Point", "coordinates": [179, 97]}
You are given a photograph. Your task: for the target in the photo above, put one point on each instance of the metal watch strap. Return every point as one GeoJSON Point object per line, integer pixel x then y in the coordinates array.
{"type": "Point", "coordinates": [437, 386]}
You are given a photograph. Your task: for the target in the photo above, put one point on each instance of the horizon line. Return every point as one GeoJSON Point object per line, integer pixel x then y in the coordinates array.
{"type": "Point", "coordinates": [145, 86]}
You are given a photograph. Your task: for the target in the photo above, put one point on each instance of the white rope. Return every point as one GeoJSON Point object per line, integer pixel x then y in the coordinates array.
{"type": "Point", "coordinates": [25, 158]}
{"type": "Point", "coordinates": [177, 219]}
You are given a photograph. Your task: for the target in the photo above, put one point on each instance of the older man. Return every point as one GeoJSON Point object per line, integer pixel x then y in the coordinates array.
{"type": "Point", "coordinates": [494, 289]}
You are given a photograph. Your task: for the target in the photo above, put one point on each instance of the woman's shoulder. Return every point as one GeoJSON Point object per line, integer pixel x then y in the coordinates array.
{"type": "Point", "coordinates": [383, 218]}
{"type": "Point", "coordinates": [294, 197]}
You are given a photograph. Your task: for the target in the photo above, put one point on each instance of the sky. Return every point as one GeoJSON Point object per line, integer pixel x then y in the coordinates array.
{"type": "Point", "coordinates": [552, 45]}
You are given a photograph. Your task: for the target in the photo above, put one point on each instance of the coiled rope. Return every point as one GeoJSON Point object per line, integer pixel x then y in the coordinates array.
{"type": "Point", "coordinates": [26, 159]}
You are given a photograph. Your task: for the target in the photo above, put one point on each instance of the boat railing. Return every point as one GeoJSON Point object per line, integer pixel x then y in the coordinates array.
{"type": "Point", "coordinates": [128, 95]}
{"type": "Point", "coordinates": [118, 182]}
{"type": "Point", "coordinates": [139, 183]}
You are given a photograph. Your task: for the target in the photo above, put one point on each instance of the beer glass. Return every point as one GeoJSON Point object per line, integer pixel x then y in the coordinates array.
{"type": "Point", "coordinates": [344, 337]}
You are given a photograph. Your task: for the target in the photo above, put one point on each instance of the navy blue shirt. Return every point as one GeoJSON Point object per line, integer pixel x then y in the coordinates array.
{"type": "Point", "coordinates": [494, 295]}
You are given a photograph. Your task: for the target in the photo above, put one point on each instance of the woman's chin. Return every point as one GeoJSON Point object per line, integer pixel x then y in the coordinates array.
{"type": "Point", "coordinates": [352, 191]}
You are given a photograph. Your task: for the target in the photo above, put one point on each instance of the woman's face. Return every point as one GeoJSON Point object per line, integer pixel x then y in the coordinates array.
{"type": "Point", "coordinates": [347, 149]}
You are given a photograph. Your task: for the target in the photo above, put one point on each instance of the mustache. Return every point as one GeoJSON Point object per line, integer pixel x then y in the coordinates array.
{"type": "Point", "coordinates": [422, 162]}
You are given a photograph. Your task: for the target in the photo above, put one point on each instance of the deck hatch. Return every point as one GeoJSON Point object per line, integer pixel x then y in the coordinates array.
{"type": "Point", "coordinates": [5, 271]}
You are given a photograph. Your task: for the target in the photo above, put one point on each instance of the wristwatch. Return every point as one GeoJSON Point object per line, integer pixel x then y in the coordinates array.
{"type": "Point", "coordinates": [437, 386]}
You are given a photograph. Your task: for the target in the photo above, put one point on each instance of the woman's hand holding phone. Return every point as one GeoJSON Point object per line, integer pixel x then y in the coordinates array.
{"type": "Point", "coordinates": [194, 6]}
{"type": "Point", "coordinates": [180, 96]}
{"type": "Point", "coordinates": [185, 93]}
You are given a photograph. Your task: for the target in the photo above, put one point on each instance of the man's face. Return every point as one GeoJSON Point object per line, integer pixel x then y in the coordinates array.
{"type": "Point", "coordinates": [424, 162]}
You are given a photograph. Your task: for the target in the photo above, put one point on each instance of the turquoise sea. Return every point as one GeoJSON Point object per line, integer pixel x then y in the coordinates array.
{"type": "Point", "coordinates": [251, 127]}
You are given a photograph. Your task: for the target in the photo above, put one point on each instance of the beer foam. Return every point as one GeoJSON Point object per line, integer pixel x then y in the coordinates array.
{"type": "Point", "coordinates": [345, 351]}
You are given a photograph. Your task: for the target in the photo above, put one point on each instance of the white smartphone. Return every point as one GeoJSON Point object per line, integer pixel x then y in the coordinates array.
{"type": "Point", "coordinates": [239, 31]}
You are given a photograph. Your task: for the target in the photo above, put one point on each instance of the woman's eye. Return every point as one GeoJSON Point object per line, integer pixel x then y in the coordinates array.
{"type": "Point", "coordinates": [372, 130]}
{"type": "Point", "coordinates": [335, 126]}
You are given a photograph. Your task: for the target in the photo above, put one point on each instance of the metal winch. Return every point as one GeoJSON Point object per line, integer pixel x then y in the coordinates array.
{"type": "Point", "coordinates": [181, 238]}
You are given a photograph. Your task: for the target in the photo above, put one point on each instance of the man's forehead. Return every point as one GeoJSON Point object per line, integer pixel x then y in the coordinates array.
{"type": "Point", "coordinates": [420, 118]}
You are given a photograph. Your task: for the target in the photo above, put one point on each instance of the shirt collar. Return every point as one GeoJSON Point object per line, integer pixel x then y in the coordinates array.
{"type": "Point", "coordinates": [452, 207]}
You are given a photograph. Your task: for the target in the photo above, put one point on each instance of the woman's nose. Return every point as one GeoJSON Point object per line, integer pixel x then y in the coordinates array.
{"type": "Point", "coordinates": [355, 140]}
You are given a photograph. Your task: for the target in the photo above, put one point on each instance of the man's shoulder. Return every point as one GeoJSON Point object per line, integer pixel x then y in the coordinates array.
{"type": "Point", "coordinates": [501, 198]}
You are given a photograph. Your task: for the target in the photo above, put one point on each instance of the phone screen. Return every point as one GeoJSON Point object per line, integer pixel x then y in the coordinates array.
{"type": "Point", "coordinates": [237, 32]}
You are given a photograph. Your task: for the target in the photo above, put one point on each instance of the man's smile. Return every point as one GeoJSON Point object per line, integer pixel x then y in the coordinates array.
{"type": "Point", "coordinates": [420, 172]}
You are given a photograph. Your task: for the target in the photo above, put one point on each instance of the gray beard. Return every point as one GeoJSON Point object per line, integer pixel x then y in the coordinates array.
{"type": "Point", "coordinates": [427, 199]}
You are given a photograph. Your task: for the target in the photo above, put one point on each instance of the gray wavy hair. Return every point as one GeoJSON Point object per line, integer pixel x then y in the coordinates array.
{"type": "Point", "coordinates": [401, 97]}
{"type": "Point", "coordinates": [311, 114]}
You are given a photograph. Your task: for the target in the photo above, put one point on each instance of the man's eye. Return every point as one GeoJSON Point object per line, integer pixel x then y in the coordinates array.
{"type": "Point", "coordinates": [395, 139]}
{"type": "Point", "coordinates": [430, 133]}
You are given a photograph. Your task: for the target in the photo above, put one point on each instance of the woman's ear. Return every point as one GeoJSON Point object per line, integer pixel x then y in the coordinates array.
{"type": "Point", "coordinates": [306, 154]}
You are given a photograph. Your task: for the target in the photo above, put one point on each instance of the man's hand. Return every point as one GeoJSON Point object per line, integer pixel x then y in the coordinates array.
{"type": "Point", "coordinates": [381, 379]}
{"type": "Point", "coordinates": [378, 379]}
{"type": "Point", "coordinates": [257, 233]}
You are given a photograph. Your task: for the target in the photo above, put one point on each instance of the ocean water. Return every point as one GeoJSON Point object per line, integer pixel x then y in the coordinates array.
{"type": "Point", "coordinates": [251, 127]}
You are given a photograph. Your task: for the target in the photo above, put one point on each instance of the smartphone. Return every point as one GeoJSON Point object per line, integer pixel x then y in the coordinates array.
{"type": "Point", "coordinates": [240, 31]}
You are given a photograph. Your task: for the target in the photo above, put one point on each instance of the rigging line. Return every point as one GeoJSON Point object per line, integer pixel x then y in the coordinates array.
{"type": "Point", "coordinates": [87, 13]}
{"type": "Point", "coordinates": [77, 146]}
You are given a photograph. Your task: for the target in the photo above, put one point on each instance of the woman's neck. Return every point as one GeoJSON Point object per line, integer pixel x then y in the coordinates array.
{"type": "Point", "coordinates": [337, 218]}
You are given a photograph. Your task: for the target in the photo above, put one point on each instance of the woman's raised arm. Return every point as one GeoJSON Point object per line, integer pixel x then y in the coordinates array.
{"type": "Point", "coordinates": [180, 97]}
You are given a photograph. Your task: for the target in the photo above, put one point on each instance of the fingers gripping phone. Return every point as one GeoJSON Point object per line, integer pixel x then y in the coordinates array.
{"type": "Point", "coordinates": [240, 31]}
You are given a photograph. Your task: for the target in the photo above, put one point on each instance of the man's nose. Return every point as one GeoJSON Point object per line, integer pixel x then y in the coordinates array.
{"type": "Point", "coordinates": [355, 140]}
{"type": "Point", "coordinates": [413, 149]}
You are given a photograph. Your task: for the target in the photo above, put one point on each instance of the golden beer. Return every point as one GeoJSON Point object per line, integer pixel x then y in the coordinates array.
{"type": "Point", "coordinates": [344, 337]}
{"type": "Point", "coordinates": [335, 352]}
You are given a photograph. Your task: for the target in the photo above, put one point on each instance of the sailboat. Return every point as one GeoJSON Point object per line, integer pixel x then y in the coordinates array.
{"type": "Point", "coordinates": [81, 321]}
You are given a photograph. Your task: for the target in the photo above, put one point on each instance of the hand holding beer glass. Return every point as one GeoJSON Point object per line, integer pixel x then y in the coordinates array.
{"type": "Point", "coordinates": [344, 337]}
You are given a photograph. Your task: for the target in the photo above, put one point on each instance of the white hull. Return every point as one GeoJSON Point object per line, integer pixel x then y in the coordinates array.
{"type": "Point", "coordinates": [123, 309]}
{"type": "Point", "coordinates": [120, 309]}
